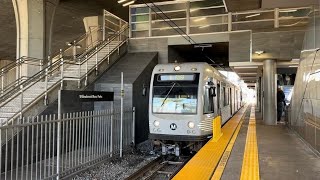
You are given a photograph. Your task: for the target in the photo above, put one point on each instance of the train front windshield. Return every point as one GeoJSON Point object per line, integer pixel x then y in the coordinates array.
{"type": "Point", "coordinates": [175, 93]}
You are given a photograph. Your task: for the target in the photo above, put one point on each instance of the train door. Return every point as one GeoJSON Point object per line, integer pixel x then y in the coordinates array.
{"type": "Point", "coordinates": [218, 99]}
{"type": "Point", "coordinates": [209, 96]}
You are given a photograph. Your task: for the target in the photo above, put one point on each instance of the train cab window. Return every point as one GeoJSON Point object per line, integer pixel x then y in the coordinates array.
{"type": "Point", "coordinates": [175, 93]}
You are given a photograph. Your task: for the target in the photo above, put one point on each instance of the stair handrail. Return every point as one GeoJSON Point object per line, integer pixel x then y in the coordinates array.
{"type": "Point", "coordinates": [40, 62]}
{"type": "Point", "coordinates": [54, 68]}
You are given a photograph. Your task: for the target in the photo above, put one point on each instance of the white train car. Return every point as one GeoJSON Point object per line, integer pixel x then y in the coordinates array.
{"type": "Point", "coordinates": [184, 100]}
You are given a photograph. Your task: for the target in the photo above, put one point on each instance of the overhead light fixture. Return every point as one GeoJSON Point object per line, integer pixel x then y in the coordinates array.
{"type": "Point", "coordinates": [121, 1]}
{"type": "Point", "coordinates": [259, 52]}
{"type": "Point", "coordinates": [295, 59]}
{"type": "Point", "coordinates": [288, 10]}
{"type": "Point", "coordinates": [253, 15]}
{"type": "Point", "coordinates": [128, 3]}
{"type": "Point", "coordinates": [293, 66]}
{"type": "Point", "coordinates": [200, 19]}
{"type": "Point", "coordinates": [247, 73]}
{"type": "Point", "coordinates": [245, 67]}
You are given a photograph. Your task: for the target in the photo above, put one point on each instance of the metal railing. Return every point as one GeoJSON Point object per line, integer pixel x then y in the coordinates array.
{"type": "Point", "coordinates": [80, 47]}
{"type": "Point", "coordinates": [52, 75]}
{"type": "Point", "coordinates": [193, 17]}
{"type": "Point", "coordinates": [47, 147]}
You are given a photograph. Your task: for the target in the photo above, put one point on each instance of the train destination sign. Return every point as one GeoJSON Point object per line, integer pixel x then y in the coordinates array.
{"type": "Point", "coordinates": [176, 77]}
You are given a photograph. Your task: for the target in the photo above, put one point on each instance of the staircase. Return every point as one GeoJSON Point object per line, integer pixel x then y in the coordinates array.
{"type": "Point", "coordinates": [30, 96]}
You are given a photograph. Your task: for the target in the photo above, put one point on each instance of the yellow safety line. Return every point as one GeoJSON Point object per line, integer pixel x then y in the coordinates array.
{"type": "Point", "coordinates": [225, 157]}
{"type": "Point", "coordinates": [250, 164]}
{"type": "Point", "coordinates": [202, 165]}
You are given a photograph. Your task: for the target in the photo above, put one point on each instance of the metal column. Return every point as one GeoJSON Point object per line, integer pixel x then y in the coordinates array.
{"type": "Point", "coordinates": [269, 92]}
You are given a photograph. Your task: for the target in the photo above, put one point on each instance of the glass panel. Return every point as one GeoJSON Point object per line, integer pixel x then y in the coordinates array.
{"type": "Point", "coordinates": [140, 10]}
{"type": "Point", "coordinates": [205, 21]}
{"type": "Point", "coordinates": [208, 29]}
{"type": "Point", "coordinates": [255, 16]}
{"type": "Point", "coordinates": [168, 31]}
{"type": "Point", "coordinates": [170, 7]}
{"type": "Point", "coordinates": [210, 3]}
{"type": "Point", "coordinates": [163, 24]}
{"type": "Point", "coordinates": [169, 15]}
{"type": "Point", "coordinates": [294, 17]}
{"type": "Point", "coordinates": [140, 26]}
{"type": "Point", "coordinates": [140, 18]}
{"type": "Point", "coordinates": [260, 25]}
{"type": "Point", "coordinates": [206, 12]}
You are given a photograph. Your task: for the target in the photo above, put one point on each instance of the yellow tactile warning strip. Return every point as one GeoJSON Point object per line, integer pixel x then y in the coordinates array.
{"type": "Point", "coordinates": [225, 157]}
{"type": "Point", "coordinates": [250, 164]}
{"type": "Point", "coordinates": [202, 165]}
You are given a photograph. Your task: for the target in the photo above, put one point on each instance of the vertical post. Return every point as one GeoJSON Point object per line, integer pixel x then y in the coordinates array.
{"type": "Point", "coordinates": [46, 88]}
{"type": "Point", "coordinates": [104, 26]}
{"type": "Point", "coordinates": [86, 81]}
{"type": "Point", "coordinates": [61, 69]}
{"type": "Point", "coordinates": [96, 61]}
{"type": "Point", "coordinates": [276, 18]}
{"type": "Point", "coordinates": [130, 23]}
{"type": "Point", "coordinates": [41, 64]}
{"type": "Point", "coordinates": [133, 125]}
{"type": "Point", "coordinates": [108, 51]}
{"type": "Point", "coordinates": [121, 115]}
{"type": "Point", "coordinates": [150, 23]}
{"type": "Point", "coordinates": [188, 18]}
{"type": "Point", "coordinates": [74, 50]}
{"type": "Point", "coordinates": [58, 135]}
{"type": "Point", "coordinates": [111, 132]}
{"type": "Point", "coordinates": [119, 34]}
{"type": "Point", "coordinates": [79, 73]}
{"type": "Point", "coordinates": [21, 100]}
{"type": "Point", "coordinates": [2, 80]}
{"type": "Point", "coordinates": [229, 21]}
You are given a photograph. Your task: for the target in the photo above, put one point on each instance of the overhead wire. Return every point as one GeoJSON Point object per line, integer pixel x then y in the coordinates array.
{"type": "Point", "coordinates": [183, 34]}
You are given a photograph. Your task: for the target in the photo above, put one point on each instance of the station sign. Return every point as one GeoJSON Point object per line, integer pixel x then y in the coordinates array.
{"type": "Point", "coordinates": [87, 96]}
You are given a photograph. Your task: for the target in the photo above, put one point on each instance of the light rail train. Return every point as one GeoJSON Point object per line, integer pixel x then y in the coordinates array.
{"type": "Point", "coordinates": [184, 100]}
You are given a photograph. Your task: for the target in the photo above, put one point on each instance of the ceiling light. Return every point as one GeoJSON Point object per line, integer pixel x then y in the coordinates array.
{"type": "Point", "coordinates": [295, 59]}
{"type": "Point", "coordinates": [293, 66]}
{"type": "Point", "coordinates": [246, 73]}
{"type": "Point", "coordinates": [200, 19]}
{"type": "Point", "coordinates": [253, 15]}
{"type": "Point", "coordinates": [259, 52]}
{"type": "Point", "coordinates": [128, 3]}
{"type": "Point", "coordinates": [288, 10]}
{"type": "Point", "coordinates": [121, 1]}
{"type": "Point", "coordinates": [246, 67]}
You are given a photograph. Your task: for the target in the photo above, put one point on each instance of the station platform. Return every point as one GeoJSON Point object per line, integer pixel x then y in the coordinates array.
{"type": "Point", "coordinates": [248, 149]}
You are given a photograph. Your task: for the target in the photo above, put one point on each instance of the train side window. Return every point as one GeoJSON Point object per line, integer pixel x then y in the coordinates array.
{"type": "Point", "coordinates": [225, 96]}
{"type": "Point", "coordinates": [209, 98]}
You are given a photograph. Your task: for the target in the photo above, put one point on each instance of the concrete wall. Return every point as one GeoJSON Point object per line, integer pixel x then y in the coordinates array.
{"type": "Point", "coordinates": [159, 45]}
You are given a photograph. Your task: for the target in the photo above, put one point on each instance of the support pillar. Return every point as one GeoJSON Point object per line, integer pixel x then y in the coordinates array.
{"type": "Point", "coordinates": [34, 21]}
{"type": "Point", "coordinates": [269, 92]}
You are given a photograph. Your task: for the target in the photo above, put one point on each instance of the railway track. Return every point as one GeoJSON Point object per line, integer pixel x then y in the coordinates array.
{"type": "Point", "coordinates": [161, 168]}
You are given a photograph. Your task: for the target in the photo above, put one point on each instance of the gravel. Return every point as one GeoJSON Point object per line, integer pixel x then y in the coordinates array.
{"type": "Point", "coordinates": [120, 168]}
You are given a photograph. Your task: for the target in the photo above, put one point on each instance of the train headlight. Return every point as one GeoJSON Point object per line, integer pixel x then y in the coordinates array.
{"type": "Point", "coordinates": [191, 125]}
{"type": "Point", "coordinates": [177, 68]}
{"type": "Point", "coordinates": [156, 123]}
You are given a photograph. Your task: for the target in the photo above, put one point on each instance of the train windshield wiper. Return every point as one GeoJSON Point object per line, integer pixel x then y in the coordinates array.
{"type": "Point", "coordinates": [168, 94]}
